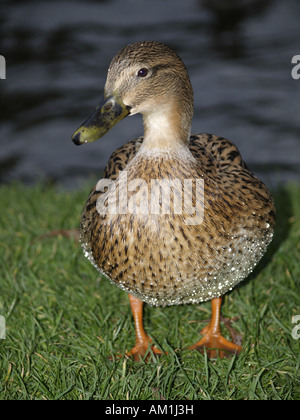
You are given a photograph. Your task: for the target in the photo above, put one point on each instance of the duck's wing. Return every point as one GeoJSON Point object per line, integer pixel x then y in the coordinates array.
{"type": "Point", "coordinates": [223, 152]}
{"type": "Point", "coordinates": [223, 163]}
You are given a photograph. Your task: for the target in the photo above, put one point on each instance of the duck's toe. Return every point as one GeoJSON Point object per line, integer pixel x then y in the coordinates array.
{"type": "Point", "coordinates": [215, 345]}
{"type": "Point", "coordinates": [146, 353]}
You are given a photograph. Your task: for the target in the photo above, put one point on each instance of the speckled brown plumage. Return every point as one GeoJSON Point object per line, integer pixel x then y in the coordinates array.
{"type": "Point", "coordinates": [139, 227]}
{"type": "Point", "coordinates": [174, 263]}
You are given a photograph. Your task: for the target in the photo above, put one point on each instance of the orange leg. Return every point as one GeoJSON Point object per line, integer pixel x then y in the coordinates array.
{"type": "Point", "coordinates": [213, 341]}
{"type": "Point", "coordinates": [142, 340]}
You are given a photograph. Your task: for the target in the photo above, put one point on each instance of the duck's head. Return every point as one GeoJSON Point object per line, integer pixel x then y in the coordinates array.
{"type": "Point", "coordinates": [148, 78]}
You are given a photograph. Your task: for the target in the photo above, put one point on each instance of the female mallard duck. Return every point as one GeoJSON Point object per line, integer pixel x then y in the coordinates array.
{"type": "Point", "coordinates": [192, 244]}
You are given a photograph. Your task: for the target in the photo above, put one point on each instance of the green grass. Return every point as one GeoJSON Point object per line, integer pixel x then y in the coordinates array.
{"type": "Point", "coordinates": [63, 320]}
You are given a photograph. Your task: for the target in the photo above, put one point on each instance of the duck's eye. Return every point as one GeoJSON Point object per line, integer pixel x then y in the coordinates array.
{"type": "Point", "coordinates": [142, 72]}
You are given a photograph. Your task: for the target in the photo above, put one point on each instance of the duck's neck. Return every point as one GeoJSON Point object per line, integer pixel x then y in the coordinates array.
{"type": "Point", "coordinates": [166, 128]}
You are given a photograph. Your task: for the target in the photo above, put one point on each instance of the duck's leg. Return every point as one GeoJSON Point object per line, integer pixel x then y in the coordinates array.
{"type": "Point", "coordinates": [213, 341]}
{"type": "Point", "coordinates": [142, 340]}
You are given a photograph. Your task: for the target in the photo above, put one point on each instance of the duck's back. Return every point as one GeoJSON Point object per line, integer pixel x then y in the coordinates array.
{"type": "Point", "coordinates": [160, 258]}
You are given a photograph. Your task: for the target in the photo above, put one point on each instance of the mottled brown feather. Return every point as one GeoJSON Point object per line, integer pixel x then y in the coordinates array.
{"type": "Point", "coordinates": [160, 259]}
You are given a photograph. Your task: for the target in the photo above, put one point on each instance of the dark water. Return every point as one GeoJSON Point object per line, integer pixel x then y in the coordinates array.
{"type": "Point", "coordinates": [238, 53]}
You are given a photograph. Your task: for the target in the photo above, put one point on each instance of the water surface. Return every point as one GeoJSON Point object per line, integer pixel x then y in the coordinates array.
{"type": "Point", "coordinates": [57, 54]}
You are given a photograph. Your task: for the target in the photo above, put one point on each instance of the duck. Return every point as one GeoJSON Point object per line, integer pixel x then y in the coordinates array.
{"type": "Point", "coordinates": [177, 218]}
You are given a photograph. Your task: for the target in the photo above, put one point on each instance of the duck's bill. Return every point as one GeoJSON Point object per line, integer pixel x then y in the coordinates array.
{"type": "Point", "coordinates": [107, 114]}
